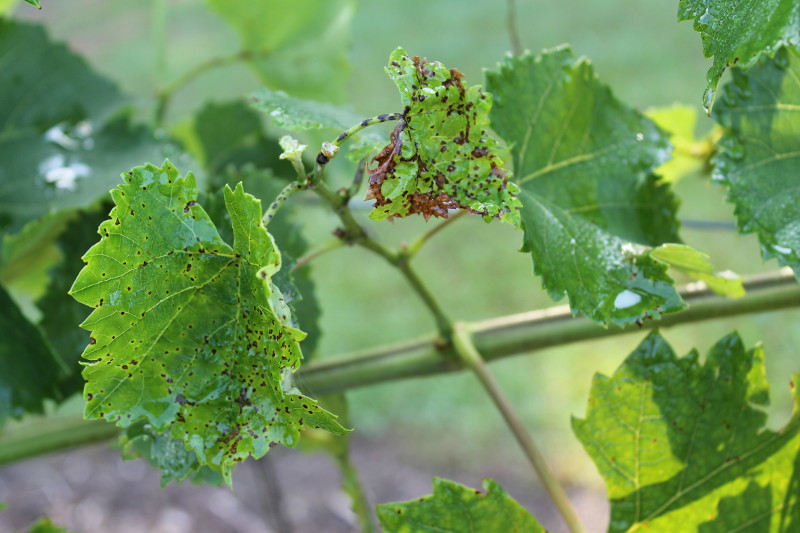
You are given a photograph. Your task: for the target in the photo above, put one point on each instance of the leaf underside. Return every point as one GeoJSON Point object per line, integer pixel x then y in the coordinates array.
{"type": "Point", "coordinates": [740, 32]}
{"type": "Point", "coordinates": [187, 331]}
{"type": "Point", "coordinates": [455, 507]}
{"type": "Point", "coordinates": [758, 159]}
{"type": "Point", "coordinates": [590, 203]}
{"type": "Point", "coordinates": [440, 155]}
{"type": "Point", "coordinates": [680, 442]}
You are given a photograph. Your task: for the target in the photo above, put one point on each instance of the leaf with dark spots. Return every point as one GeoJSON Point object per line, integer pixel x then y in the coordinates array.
{"type": "Point", "coordinates": [455, 507]}
{"type": "Point", "coordinates": [206, 336]}
{"type": "Point", "coordinates": [440, 156]}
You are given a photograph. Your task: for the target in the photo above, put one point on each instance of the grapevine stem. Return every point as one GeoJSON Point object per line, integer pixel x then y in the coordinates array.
{"type": "Point", "coordinates": [355, 233]}
{"type": "Point", "coordinates": [279, 200]}
{"type": "Point", "coordinates": [378, 119]}
{"type": "Point", "coordinates": [511, 22]}
{"type": "Point", "coordinates": [164, 96]}
{"type": "Point", "coordinates": [465, 348]}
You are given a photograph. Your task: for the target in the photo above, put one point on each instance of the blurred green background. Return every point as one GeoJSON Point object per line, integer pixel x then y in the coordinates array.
{"type": "Point", "coordinates": [637, 47]}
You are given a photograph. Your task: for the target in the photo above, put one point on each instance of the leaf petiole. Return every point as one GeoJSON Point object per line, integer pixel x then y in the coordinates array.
{"type": "Point", "coordinates": [279, 200]}
{"type": "Point", "coordinates": [324, 157]}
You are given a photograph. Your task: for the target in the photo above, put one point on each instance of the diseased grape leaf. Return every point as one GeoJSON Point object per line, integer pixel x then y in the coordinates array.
{"type": "Point", "coordinates": [188, 331]}
{"type": "Point", "coordinates": [61, 142]}
{"type": "Point", "coordinates": [168, 455]}
{"type": "Point", "coordinates": [232, 144]}
{"type": "Point", "coordinates": [680, 442]}
{"type": "Point", "coordinates": [758, 158]}
{"type": "Point", "coordinates": [299, 46]}
{"type": "Point", "coordinates": [455, 507]}
{"type": "Point", "coordinates": [440, 155]}
{"type": "Point", "coordinates": [297, 288]}
{"type": "Point", "coordinates": [698, 265]}
{"type": "Point", "coordinates": [296, 114]}
{"type": "Point", "coordinates": [584, 164]}
{"type": "Point", "coordinates": [740, 32]}
{"type": "Point", "coordinates": [29, 372]}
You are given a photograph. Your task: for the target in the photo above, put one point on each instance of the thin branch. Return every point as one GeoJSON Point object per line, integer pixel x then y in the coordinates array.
{"type": "Point", "coordinates": [527, 332]}
{"type": "Point", "coordinates": [497, 338]}
{"type": "Point", "coordinates": [354, 233]}
{"type": "Point", "coordinates": [279, 200]}
{"type": "Point", "coordinates": [463, 345]}
{"type": "Point", "coordinates": [417, 245]}
{"type": "Point", "coordinates": [511, 23]}
{"type": "Point", "coordinates": [165, 95]}
{"type": "Point", "coordinates": [332, 244]}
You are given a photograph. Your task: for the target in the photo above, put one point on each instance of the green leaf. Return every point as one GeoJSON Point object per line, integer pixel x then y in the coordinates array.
{"type": "Point", "coordinates": [29, 372]}
{"type": "Point", "coordinates": [758, 158]}
{"type": "Point", "coordinates": [297, 288]}
{"type": "Point", "coordinates": [690, 155]}
{"type": "Point", "coordinates": [441, 155]}
{"type": "Point", "coordinates": [58, 146]}
{"type": "Point", "coordinates": [35, 3]}
{"type": "Point", "coordinates": [680, 442]}
{"type": "Point", "coordinates": [168, 455]}
{"type": "Point", "coordinates": [584, 162]}
{"type": "Point", "coordinates": [231, 134]}
{"type": "Point", "coordinates": [454, 507]}
{"type": "Point", "coordinates": [740, 32]}
{"type": "Point", "coordinates": [28, 255]}
{"type": "Point", "coordinates": [188, 331]}
{"type": "Point", "coordinates": [299, 46]}
{"type": "Point", "coordinates": [303, 115]}
{"type": "Point", "coordinates": [698, 265]}
{"type": "Point", "coordinates": [61, 314]}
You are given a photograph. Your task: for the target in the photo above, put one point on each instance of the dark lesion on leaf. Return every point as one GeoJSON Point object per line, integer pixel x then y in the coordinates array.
{"type": "Point", "coordinates": [436, 191]}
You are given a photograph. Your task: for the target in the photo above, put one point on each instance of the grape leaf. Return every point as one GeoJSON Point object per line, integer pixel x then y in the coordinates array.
{"type": "Point", "coordinates": [234, 148]}
{"type": "Point", "coordinates": [35, 3]}
{"type": "Point", "coordinates": [758, 158]}
{"type": "Point", "coordinates": [296, 114]}
{"type": "Point", "coordinates": [680, 442]}
{"type": "Point", "coordinates": [440, 156]}
{"type": "Point", "coordinates": [299, 46]}
{"type": "Point", "coordinates": [188, 332]}
{"type": "Point", "coordinates": [690, 154]}
{"type": "Point", "coordinates": [698, 265]}
{"type": "Point", "coordinates": [28, 255]}
{"type": "Point", "coordinates": [168, 455]}
{"type": "Point", "coordinates": [61, 142]}
{"type": "Point", "coordinates": [29, 372]}
{"type": "Point", "coordinates": [231, 134]}
{"type": "Point", "coordinates": [60, 313]}
{"type": "Point", "coordinates": [740, 32]}
{"type": "Point", "coordinates": [297, 288]}
{"type": "Point", "coordinates": [583, 162]}
{"type": "Point", "coordinates": [454, 507]}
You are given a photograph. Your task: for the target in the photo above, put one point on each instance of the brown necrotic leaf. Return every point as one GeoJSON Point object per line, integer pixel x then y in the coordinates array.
{"type": "Point", "coordinates": [440, 155]}
{"type": "Point", "coordinates": [188, 331]}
